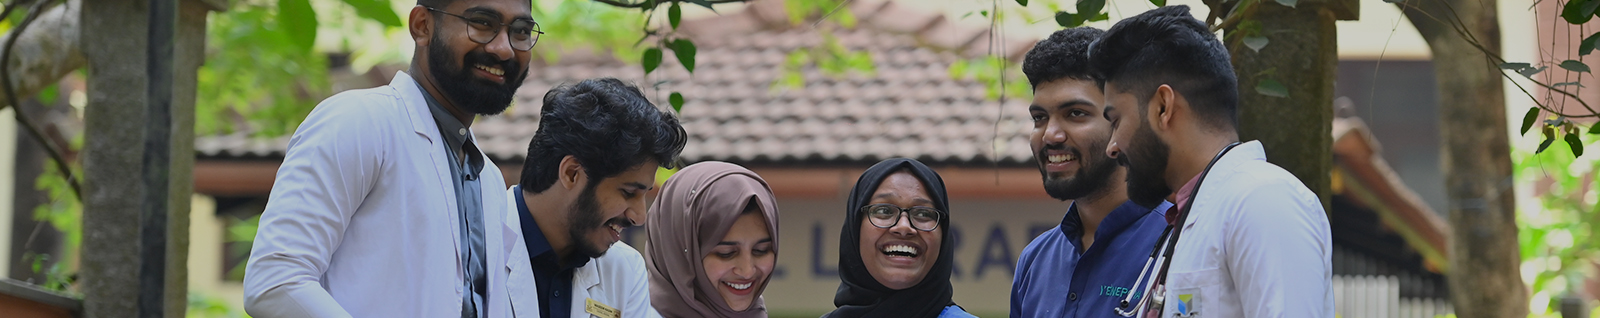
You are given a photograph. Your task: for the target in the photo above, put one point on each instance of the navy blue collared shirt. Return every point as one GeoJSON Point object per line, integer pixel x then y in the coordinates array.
{"type": "Point", "coordinates": [553, 278]}
{"type": "Point", "coordinates": [1056, 278]}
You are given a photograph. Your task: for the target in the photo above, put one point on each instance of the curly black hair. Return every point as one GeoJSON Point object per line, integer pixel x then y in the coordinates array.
{"type": "Point", "coordinates": [1169, 46]}
{"type": "Point", "coordinates": [607, 125]}
{"type": "Point", "coordinates": [1065, 54]}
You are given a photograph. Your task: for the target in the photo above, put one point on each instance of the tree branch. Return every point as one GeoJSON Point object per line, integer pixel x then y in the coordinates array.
{"type": "Point", "coordinates": [1248, 8]}
{"type": "Point", "coordinates": [1456, 26]}
{"type": "Point", "coordinates": [652, 3]}
{"type": "Point", "coordinates": [45, 52]}
{"type": "Point", "coordinates": [11, 97]}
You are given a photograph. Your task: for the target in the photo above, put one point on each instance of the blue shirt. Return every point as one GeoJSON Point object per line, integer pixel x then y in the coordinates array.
{"type": "Point", "coordinates": [469, 195]}
{"type": "Point", "coordinates": [1056, 278]}
{"type": "Point", "coordinates": [954, 311]}
{"type": "Point", "coordinates": [553, 279]}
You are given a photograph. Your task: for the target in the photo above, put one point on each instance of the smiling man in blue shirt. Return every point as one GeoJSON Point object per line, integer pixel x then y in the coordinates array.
{"type": "Point", "coordinates": [1086, 266]}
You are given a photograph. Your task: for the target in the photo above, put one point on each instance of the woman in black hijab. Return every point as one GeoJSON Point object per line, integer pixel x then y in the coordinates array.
{"type": "Point", "coordinates": [892, 258]}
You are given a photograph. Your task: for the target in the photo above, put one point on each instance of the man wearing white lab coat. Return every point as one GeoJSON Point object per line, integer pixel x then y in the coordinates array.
{"type": "Point", "coordinates": [589, 167]}
{"type": "Point", "coordinates": [1251, 239]}
{"type": "Point", "coordinates": [384, 205]}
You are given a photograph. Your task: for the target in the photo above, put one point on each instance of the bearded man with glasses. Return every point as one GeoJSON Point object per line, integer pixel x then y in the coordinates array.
{"type": "Point", "coordinates": [384, 205]}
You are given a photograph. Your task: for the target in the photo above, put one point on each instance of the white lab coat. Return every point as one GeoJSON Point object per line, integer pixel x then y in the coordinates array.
{"type": "Point", "coordinates": [362, 219]}
{"type": "Point", "coordinates": [617, 279]}
{"type": "Point", "coordinates": [1256, 244]}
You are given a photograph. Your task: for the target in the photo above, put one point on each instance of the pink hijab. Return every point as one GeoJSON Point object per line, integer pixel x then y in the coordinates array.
{"type": "Point", "coordinates": [692, 213]}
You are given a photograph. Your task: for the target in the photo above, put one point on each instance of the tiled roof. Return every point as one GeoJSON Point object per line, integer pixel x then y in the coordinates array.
{"type": "Point", "coordinates": [910, 106]}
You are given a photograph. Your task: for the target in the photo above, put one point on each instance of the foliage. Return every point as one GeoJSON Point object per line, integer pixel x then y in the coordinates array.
{"type": "Point", "coordinates": [997, 76]}
{"type": "Point", "coordinates": [1558, 234]}
{"type": "Point", "coordinates": [210, 306]}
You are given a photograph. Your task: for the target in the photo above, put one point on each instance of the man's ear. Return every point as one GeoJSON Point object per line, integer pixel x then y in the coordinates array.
{"type": "Point", "coordinates": [570, 173]}
{"type": "Point", "coordinates": [421, 26]}
{"type": "Point", "coordinates": [1163, 106]}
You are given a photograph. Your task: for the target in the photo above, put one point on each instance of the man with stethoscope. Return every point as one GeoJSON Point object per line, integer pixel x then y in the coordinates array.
{"type": "Point", "coordinates": [1246, 238]}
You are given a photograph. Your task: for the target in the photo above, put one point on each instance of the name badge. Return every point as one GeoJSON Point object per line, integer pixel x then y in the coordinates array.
{"type": "Point", "coordinates": [598, 309]}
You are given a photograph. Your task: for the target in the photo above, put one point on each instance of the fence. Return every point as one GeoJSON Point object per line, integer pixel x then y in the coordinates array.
{"type": "Point", "coordinates": [1379, 297]}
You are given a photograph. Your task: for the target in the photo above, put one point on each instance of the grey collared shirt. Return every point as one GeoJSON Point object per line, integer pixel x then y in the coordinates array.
{"type": "Point", "coordinates": [469, 202]}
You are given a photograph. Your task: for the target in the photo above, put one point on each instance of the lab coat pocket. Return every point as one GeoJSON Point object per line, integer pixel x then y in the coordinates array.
{"type": "Point", "coordinates": [1194, 294]}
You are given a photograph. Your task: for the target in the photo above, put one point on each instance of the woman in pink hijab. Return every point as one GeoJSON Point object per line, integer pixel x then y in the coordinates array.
{"type": "Point", "coordinates": [713, 242]}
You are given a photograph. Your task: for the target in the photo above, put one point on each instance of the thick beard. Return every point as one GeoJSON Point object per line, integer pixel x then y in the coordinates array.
{"type": "Point", "coordinates": [585, 218]}
{"type": "Point", "coordinates": [470, 93]}
{"type": "Point", "coordinates": [1147, 184]}
{"type": "Point", "coordinates": [1090, 177]}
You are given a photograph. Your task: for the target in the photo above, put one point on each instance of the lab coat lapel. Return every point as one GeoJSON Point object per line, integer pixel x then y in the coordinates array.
{"type": "Point", "coordinates": [586, 285]}
{"type": "Point", "coordinates": [520, 285]}
{"type": "Point", "coordinates": [423, 124]}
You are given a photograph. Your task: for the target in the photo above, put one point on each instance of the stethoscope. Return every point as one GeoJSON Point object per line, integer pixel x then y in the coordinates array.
{"type": "Point", "coordinates": [1155, 289]}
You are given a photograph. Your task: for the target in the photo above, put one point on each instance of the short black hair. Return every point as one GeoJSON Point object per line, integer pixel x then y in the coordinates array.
{"type": "Point", "coordinates": [607, 125]}
{"type": "Point", "coordinates": [1065, 54]}
{"type": "Point", "coordinates": [1169, 46]}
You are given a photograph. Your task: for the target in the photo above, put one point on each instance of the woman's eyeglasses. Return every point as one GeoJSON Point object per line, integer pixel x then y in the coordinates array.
{"type": "Point", "coordinates": [884, 216]}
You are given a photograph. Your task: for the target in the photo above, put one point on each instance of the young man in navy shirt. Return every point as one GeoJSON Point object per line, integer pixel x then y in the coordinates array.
{"type": "Point", "coordinates": [1086, 266]}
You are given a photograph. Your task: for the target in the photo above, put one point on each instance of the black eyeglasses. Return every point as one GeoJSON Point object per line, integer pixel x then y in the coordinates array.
{"type": "Point", "coordinates": [884, 216]}
{"type": "Point", "coordinates": [484, 27]}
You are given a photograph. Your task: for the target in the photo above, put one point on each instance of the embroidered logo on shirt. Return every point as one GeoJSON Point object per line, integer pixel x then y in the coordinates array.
{"type": "Point", "coordinates": [598, 309]}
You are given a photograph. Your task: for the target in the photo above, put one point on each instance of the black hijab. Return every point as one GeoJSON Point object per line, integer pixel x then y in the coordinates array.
{"type": "Point", "coordinates": [859, 294]}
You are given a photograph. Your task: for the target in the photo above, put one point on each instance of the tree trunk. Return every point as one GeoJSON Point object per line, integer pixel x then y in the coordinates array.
{"type": "Point", "coordinates": [47, 50]}
{"type": "Point", "coordinates": [1485, 279]}
{"type": "Point", "coordinates": [1297, 131]}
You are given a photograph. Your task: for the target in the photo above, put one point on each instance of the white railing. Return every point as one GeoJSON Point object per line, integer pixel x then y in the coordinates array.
{"type": "Point", "coordinates": [1379, 297]}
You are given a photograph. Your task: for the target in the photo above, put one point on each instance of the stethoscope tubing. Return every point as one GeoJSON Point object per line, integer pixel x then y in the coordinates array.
{"type": "Point", "coordinates": [1171, 242]}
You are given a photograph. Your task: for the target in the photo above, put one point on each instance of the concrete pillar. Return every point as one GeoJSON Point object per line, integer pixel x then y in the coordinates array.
{"type": "Point", "coordinates": [1302, 54]}
{"type": "Point", "coordinates": [114, 40]}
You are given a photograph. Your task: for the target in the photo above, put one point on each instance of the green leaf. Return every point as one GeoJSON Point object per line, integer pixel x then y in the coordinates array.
{"type": "Point", "coordinates": [651, 59]}
{"type": "Point", "coordinates": [1102, 17]}
{"type": "Point", "coordinates": [1529, 119]}
{"type": "Point", "coordinates": [1255, 43]}
{"type": "Point", "coordinates": [1579, 11]}
{"type": "Point", "coordinates": [1068, 19]}
{"type": "Point", "coordinates": [1288, 3]}
{"type": "Point", "coordinates": [674, 14]}
{"type": "Point", "coordinates": [1022, 2]}
{"type": "Point", "coordinates": [1159, 3]}
{"type": "Point", "coordinates": [47, 95]}
{"type": "Point", "coordinates": [684, 50]}
{"type": "Point", "coordinates": [1595, 129]}
{"type": "Point", "coordinates": [1575, 143]}
{"type": "Point", "coordinates": [377, 10]}
{"type": "Point", "coordinates": [1088, 9]}
{"type": "Point", "coordinates": [1549, 137]}
{"type": "Point", "coordinates": [1393, 1]}
{"type": "Point", "coordinates": [1271, 87]}
{"type": "Point", "coordinates": [1515, 66]}
{"type": "Point", "coordinates": [1587, 46]}
{"type": "Point", "coordinates": [1574, 65]}
{"type": "Point", "coordinates": [299, 22]}
{"type": "Point", "coordinates": [1529, 72]}
{"type": "Point", "coordinates": [1572, 83]}
{"type": "Point", "coordinates": [676, 100]}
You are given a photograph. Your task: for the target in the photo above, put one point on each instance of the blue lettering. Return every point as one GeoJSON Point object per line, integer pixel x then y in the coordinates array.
{"type": "Point", "coordinates": [818, 269]}
{"type": "Point", "coordinates": [996, 252]}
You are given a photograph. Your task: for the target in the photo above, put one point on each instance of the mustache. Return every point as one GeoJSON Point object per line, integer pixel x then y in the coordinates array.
{"type": "Point", "coordinates": [484, 58]}
{"type": "Point", "coordinates": [620, 221]}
